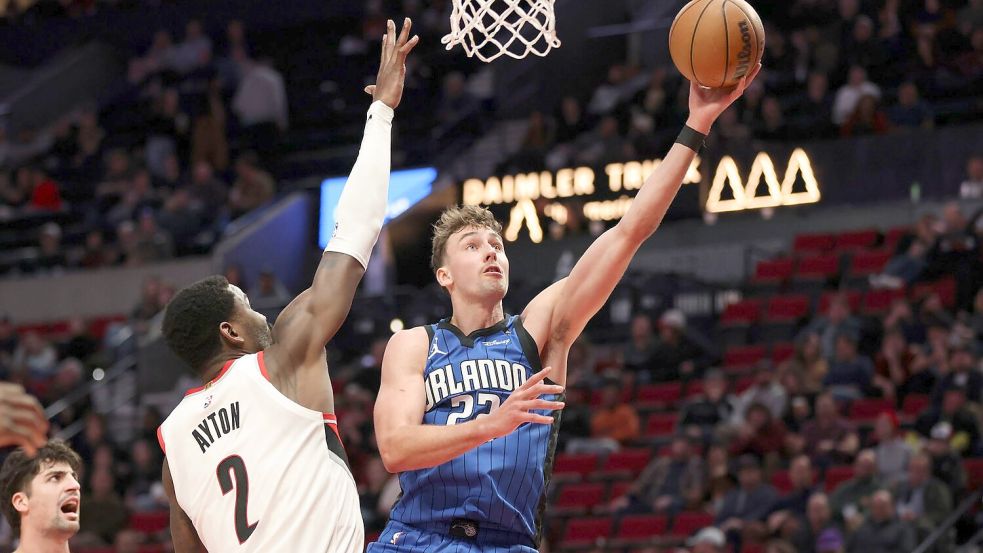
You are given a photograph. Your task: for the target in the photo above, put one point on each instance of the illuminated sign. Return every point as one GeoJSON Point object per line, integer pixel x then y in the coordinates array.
{"type": "Point", "coordinates": [406, 188]}
{"type": "Point", "coordinates": [608, 194]}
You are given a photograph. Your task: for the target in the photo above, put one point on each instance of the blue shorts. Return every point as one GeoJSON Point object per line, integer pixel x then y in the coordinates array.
{"type": "Point", "coordinates": [400, 538]}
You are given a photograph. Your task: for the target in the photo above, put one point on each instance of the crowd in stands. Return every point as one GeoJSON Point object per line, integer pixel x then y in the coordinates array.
{"type": "Point", "coordinates": [831, 68]}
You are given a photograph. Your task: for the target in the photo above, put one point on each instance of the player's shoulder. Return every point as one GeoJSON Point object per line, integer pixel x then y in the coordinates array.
{"type": "Point", "coordinates": [410, 339]}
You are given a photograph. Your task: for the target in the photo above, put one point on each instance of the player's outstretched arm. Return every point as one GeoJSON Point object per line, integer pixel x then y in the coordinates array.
{"type": "Point", "coordinates": [22, 420]}
{"type": "Point", "coordinates": [598, 271]}
{"type": "Point", "coordinates": [183, 533]}
{"type": "Point", "coordinates": [313, 318]}
{"type": "Point", "coordinates": [407, 444]}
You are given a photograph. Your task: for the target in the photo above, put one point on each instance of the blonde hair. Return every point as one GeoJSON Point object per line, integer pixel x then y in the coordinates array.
{"type": "Point", "coordinates": [454, 219]}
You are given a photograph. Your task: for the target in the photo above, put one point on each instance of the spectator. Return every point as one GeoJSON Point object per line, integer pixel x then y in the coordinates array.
{"type": "Point", "coordinates": [892, 451]}
{"type": "Point", "coordinates": [80, 343]}
{"type": "Point", "coordinates": [128, 541]}
{"type": "Point", "coordinates": [608, 95]}
{"type": "Point", "coordinates": [772, 125]}
{"type": "Point", "coordinates": [208, 131]}
{"type": "Point", "coordinates": [849, 95]}
{"type": "Point", "coordinates": [720, 477]}
{"type": "Point", "coordinates": [923, 500]}
{"type": "Point", "coordinates": [749, 503]}
{"type": "Point", "coordinates": [455, 104]}
{"type": "Point", "coordinates": [761, 434]}
{"type": "Point", "coordinates": [97, 253]}
{"type": "Point", "coordinates": [50, 258]}
{"type": "Point", "coordinates": [836, 321]}
{"type": "Point", "coordinates": [910, 111]}
{"type": "Point", "coordinates": [947, 465]}
{"type": "Point", "coordinates": [149, 304]}
{"type": "Point", "coordinates": [36, 357]}
{"type": "Point", "coordinates": [850, 372]}
{"type": "Point", "coordinates": [882, 532]}
{"type": "Point", "coordinates": [815, 111]}
{"type": "Point", "coordinates": [708, 540]}
{"type": "Point", "coordinates": [963, 373]}
{"type": "Point", "coordinates": [604, 144]}
{"type": "Point", "coordinates": [972, 187]}
{"type": "Point", "coordinates": [614, 422]}
{"type": "Point", "coordinates": [195, 51]}
{"type": "Point", "coordinates": [159, 57]}
{"type": "Point", "coordinates": [142, 477]}
{"type": "Point", "coordinates": [829, 438]}
{"type": "Point", "coordinates": [965, 430]}
{"type": "Point", "coordinates": [818, 520]}
{"type": "Point", "coordinates": [260, 103]}
{"type": "Point", "coordinates": [680, 349]}
{"type": "Point", "coordinates": [233, 273]}
{"type": "Point", "coordinates": [797, 501]}
{"type": "Point", "coordinates": [893, 365]}
{"type": "Point", "coordinates": [668, 484]}
{"type": "Point", "coordinates": [208, 193]}
{"type": "Point", "coordinates": [766, 391]}
{"type": "Point", "coordinates": [807, 364]}
{"type": "Point", "coordinates": [851, 498]}
{"type": "Point", "coordinates": [167, 130]}
{"type": "Point", "coordinates": [712, 408]}
{"type": "Point", "coordinates": [639, 354]}
{"type": "Point", "coordinates": [570, 120]}
{"type": "Point", "coordinates": [866, 119]}
{"type": "Point", "coordinates": [152, 243]}
{"type": "Point", "coordinates": [105, 513]}
{"type": "Point", "coordinates": [181, 221]}
{"type": "Point", "coordinates": [45, 195]}
{"type": "Point", "coordinates": [253, 188]}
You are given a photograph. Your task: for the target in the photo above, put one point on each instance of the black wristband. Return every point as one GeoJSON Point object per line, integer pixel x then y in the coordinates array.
{"type": "Point", "coordinates": [691, 138]}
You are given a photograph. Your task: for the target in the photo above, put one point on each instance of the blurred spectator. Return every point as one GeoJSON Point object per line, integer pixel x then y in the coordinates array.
{"type": "Point", "coordinates": [830, 541]}
{"type": "Point", "coordinates": [455, 103]}
{"type": "Point", "coordinates": [708, 540]}
{"type": "Point", "coordinates": [610, 93]}
{"type": "Point", "coordinates": [850, 372]}
{"type": "Point", "coordinates": [829, 437]}
{"type": "Point", "coordinates": [849, 95]}
{"type": "Point", "coordinates": [837, 320]}
{"type": "Point", "coordinates": [760, 434]}
{"type": "Point", "coordinates": [50, 258]}
{"type": "Point", "coordinates": [972, 187]}
{"type": "Point", "coordinates": [867, 118]}
{"type": "Point", "coordinates": [882, 532]}
{"type": "Point", "coordinates": [260, 103]}
{"type": "Point", "coordinates": [807, 364]}
{"type": "Point", "coordinates": [715, 406]}
{"type": "Point", "coordinates": [614, 421]}
{"type": "Point", "coordinates": [35, 356]}
{"type": "Point", "coordinates": [181, 221]}
{"type": "Point", "coordinates": [194, 51]}
{"type": "Point", "coordinates": [892, 451]}
{"type": "Point", "coordinates": [605, 144]}
{"type": "Point", "coordinates": [772, 125]}
{"type": "Point", "coordinates": [209, 193]}
{"type": "Point", "coordinates": [233, 273]}
{"type": "Point", "coordinates": [910, 111]}
{"type": "Point", "coordinates": [681, 350]}
{"type": "Point", "coordinates": [814, 112]}
{"type": "Point", "coordinates": [570, 120]}
{"type": "Point", "coordinates": [128, 541]}
{"type": "Point", "coordinates": [253, 187]}
{"type": "Point", "coordinates": [923, 500]}
{"type": "Point", "coordinates": [639, 353]}
{"type": "Point", "coordinates": [851, 499]}
{"type": "Point", "coordinates": [766, 391]}
{"type": "Point", "coordinates": [947, 465]}
{"type": "Point", "coordinates": [152, 243]}
{"type": "Point", "coordinates": [167, 129]}
{"type": "Point", "coordinates": [964, 428]}
{"type": "Point", "coordinates": [797, 501]}
{"type": "Point", "coordinates": [893, 365]}
{"type": "Point", "coordinates": [149, 304]}
{"type": "Point", "coordinates": [79, 343]}
{"type": "Point", "coordinates": [96, 253]}
{"type": "Point", "coordinates": [45, 195]}
{"type": "Point", "coordinates": [105, 513]}
{"type": "Point", "coordinates": [668, 484]}
{"type": "Point", "coordinates": [142, 477]}
{"type": "Point", "coordinates": [817, 521]}
{"type": "Point", "coordinates": [963, 373]}
{"type": "Point", "coordinates": [749, 503]}
{"type": "Point", "coordinates": [208, 130]}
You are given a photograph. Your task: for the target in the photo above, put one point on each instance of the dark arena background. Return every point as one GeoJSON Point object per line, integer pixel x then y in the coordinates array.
{"type": "Point", "coordinates": [803, 332]}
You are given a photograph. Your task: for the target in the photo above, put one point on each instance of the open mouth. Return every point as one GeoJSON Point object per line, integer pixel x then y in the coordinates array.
{"type": "Point", "coordinates": [494, 270]}
{"type": "Point", "coordinates": [70, 506]}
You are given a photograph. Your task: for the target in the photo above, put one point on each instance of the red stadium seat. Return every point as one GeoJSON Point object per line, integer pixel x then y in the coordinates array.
{"type": "Point", "coordinates": [864, 264]}
{"type": "Point", "coordinates": [619, 489]}
{"type": "Point", "coordinates": [974, 472]}
{"type": "Point", "coordinates": [694, 388]}
{"type": "Point", "coordinates": [782, 352]}
{"type": "Point", "coordinates": [868, 409]}
{"type": "Point", "coordinates": [661, 424]}
{"type": "Point", "coordinates": [627, 463]}
{"type": "Point", "coordinates": [773, 272]}
{"type": "Point", "coordinates": [743, 358]}
{"type": "Point", "coordinates": [574, 465]}
{"type": "Point", "coordinates": [813, 243]}
{"type": "Point", "coordinates": [579, 498]}
{"type": "Point", "coordinates": [787, 308]}
{"type": "Point", "coordinates": [659, 394]}
{"type": "Point", "coordinates": [741, 313]}
{"type": "Point", "coordinates": [149, 523]}
{"type": "Point", "coordinates": [586, 531]}
{"type": "Point", "coordinates": [597, 396]}
{"type": "Point", "coordinates": [856, 240]}
{"type": "Point", "coordinates": [837, 475]}
{"type": "Point", "coordinates": [781, 481]}
{"type": "Point", "coordinates": [151, 548]}
{"type": "Point", "coordinates": [640, 528]}
{"type": "Point", "coordinates": [914, 404]}
{"type": "Point", "coordinates": [852, 298]}
{"type": "Point", "coordinates": [945, 288]}
{"type": "Point", "coordinates": [877, 302]}
{"type": "Point", "coordinates": [742, 384]}
{"type": "Point", "coordinates": [892, 236]}
{"type": "Point", "coordinates": [689, 522]}
{"type": "Point", "coordinates": [819, 267]}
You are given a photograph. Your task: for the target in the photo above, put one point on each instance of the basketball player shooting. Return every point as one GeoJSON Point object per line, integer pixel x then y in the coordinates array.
{"type": "Point", "coordinates": [253, 457]}
{"type": "Point", "coordinates": [464, 411]}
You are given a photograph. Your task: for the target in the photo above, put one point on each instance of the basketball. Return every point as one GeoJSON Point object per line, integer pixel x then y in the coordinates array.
{"type": "Point", "coordinates": [714, 43]}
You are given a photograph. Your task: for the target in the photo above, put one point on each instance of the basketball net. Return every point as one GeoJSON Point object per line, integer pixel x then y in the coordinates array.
{"type": "Point", "coordinates": [487, 29]}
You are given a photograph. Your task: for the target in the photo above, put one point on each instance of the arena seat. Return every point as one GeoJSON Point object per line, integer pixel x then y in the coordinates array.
{"type": "Point", "coordinates": [640, 528]}
{"type": "Point", "coordinates": [782, 314]}
{"type": "Point", "coordinates": [742, 384]}
{"type": "Point", "coordinates": [743, 358]}
{"type": "Point", "coordinates": [974, 472]}
{"type": "Point", "coordinates": [578, 499]}
{"type": "Point", "coordinates": [574, 466]}
{"type": "Point", "coordinates": [864, 264]}
{"type": "Point", "coordinates": [627, 463]}
{"type": "Point", "coordinates": [772, 273]}
{"type": "Point", "coordinates": [661, 424]}
{"type": "Point", "coordinates": [852, 298]}
{"type": "Point", "coordinates": [877, 302]}
{"type": "Point", "coordinates": [836, 475]}
{"type": "Point", "coordinates": [817, 269]}
{"type": "Point", "coordinates": [149, 523]}
{"type": "Point", "coordinates": [585, 531]}
{"type": "Point", "coordinates": [892, 236]}
{"type": "Point", "coordinates": [856, 240]}
{"type": "Point", "coordinates": [689, 522]}
{"type": "Point", "coordinates": [659, 395]}
{"type": "Point", "coordinates": [914, 404]}
{"type": "Point", "coordinates": [945, 288]}
{"type": "Point", "coordinates": [619, 489]}
{"type": "Point", "coordinates": [813, 243]}
{"type": "Point", "coordinates": [781, 352]}
{"type": "Point", "coordinates": [866, 410]}
{"type": "Point", "coordinates": [736, 319]}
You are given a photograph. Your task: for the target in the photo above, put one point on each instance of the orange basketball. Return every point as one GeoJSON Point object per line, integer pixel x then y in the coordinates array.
{"type": "Point", "coordinates": [716, 42]}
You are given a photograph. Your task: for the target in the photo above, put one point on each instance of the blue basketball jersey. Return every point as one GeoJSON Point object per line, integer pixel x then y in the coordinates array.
{"type": "Point", "coordinates": [501, 484]}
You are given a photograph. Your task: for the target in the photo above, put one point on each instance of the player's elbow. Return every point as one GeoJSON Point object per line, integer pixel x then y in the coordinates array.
{"type": "Point", "coordinates": [393, 455]}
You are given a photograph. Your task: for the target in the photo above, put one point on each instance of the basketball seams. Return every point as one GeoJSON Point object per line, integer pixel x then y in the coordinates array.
{"type": "Point", "coordinates": [692, 42]}
{"type": "Point", "coordinates": [723, 14]}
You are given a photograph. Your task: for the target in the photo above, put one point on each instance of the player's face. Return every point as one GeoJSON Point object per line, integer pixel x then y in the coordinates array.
{"type": "Point", "coordinates": [254, 325]}
{"type": "Point", "coordinates": [475, 263]}
{"type": "Point", "coordinates": [54, 502]}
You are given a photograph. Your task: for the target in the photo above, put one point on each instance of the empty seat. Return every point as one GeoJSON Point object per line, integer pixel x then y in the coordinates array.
{"type": "Point", "coordinates": [661, 424]}
{"type": "Point", "coordinates": [974, 472]}
{"type": "Point", "coordinates": [574, 465]}
{"type": "Point", "coordinates": [836, 475]}
{"type": "Point", "coordinates": [813, 243]}
{"type": "Point", "coordinates": [742, 384]}
{"type": "Point", "coordinates": [914, 404]}
{"type": "Point", "coordinates": [619, 489]}
{"type": "Point", "coordinates": [864, 264]}
{"type": "Point", "coordinates": [151, 522]}
{"type": "Point", "coordinates": [784, 309]}
{"type": "Point", "coordinates": [579, 498]}
{"type": "Point", "coordinates": [743, 358]}
{"type": "Point", "coordinates": [945, 288]}
{"type": "Point", "coordinates": [893, 236]}
{"type": "Point", "coordinates": [877, 302]}
{"type": "Point", "coordinates": [640, 528]}
{"type": "Point", "coordinates": [741, 313]}
{"type": "Point", "coordinates": [659, 394]}
{"type": "Point", "coordinates": [689, 522]}
{"type": "Point", "coordinates": [856, 240]}
{"type": "Point", "coordinates": [817, 268]}
{"type": "Point", "coordinates": [586, 531]}
{"type": "Point", "coordinates": [772, 272]}
{"type": "Point", "coordinates": [626, 463]}
{"type": "Point", "coordinates": [781, 352]}
{"type": "Point", "coordinates": [867, 409]}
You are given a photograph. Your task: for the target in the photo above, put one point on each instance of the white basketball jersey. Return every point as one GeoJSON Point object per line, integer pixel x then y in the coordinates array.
{"type": "Point", "coordinates": [255, 471]}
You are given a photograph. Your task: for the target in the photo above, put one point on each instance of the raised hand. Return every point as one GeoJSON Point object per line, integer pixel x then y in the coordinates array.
{"type": "Point", "coordinates": [22, 421]}
{"type": "Point", "coordinates": [388, 87]}
{"type": "Point", "coordinates": [517, 408]}
{"type": "Point", "coordinates": [706, 104]}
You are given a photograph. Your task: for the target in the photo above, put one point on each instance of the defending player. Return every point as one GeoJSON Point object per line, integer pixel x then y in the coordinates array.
{"type": "Point", "coordinates": [253, 458]}
{"type": "Point", "coordinates": [461, 413]}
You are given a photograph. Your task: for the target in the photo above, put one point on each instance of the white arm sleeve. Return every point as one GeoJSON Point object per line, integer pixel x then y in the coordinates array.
{"type": "Point", "coordinates": [362, 206]}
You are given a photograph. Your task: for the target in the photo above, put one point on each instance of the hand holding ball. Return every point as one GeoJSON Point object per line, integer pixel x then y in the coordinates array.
{"type": "Point", "coordinates": [715, 43]}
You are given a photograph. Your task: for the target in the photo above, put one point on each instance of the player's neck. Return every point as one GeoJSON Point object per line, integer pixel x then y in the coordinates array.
{"type": "Point", "coordinates": [216, 366]}
{"type": "Point", "coordinates": [36, 541]}
{"type": "Point", "coordinates": [471, 316]}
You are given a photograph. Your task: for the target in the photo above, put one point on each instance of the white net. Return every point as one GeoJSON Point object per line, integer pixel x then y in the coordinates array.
{"type": "Point", "coordinates": [487, 29]}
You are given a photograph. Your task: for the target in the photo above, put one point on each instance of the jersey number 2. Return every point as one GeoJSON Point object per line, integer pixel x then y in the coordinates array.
{"type": "Point", "coordinates": [231, 468]}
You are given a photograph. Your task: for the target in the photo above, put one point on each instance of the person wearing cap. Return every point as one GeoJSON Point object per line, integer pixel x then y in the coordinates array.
{"type": "Point", "coordinates": [680, 350]}
{"type": "Point", "coordinates": [708, 540]}
{"type": "Point", "coordinates": [947, 466]}
{"type": "Point", "coordinates": [748, 503]}
{"type": "Point", "coordinates": [965, 429]}
{"type": "Point", "coordinates": [668, 484]}
{"type": "Point", "coordinates": [882, 531]}
{"type": "Point", "coordinates": [922, 499]}
{"type": "Point", "coordinates": [850, 373]}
